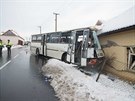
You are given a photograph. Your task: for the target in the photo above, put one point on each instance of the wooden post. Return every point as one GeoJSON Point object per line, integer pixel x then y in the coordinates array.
{"type": "Point", "coordinates": [104, 62]}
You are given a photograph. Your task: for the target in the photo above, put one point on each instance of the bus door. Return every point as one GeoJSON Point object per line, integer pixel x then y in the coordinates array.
{"type": "Point", "coordinates": [44, 47]}
{"type": "Point", "coordinates": [84, 49]}
{"type": "Point", "coordinates": [77, 50]}
{"type": "Point", "coordinates": [71, 47]}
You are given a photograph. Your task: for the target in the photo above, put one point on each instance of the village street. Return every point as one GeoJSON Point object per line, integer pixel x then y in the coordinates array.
{"type": "Point", "coordinates": [21, 79]}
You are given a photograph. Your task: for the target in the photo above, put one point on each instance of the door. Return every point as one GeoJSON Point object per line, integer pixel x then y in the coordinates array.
{"type": "Point", "coordinates": [71, 47]}
{"type": "Point", "coordinates": [84, 49]}
{"type": "Point", "coordinates": [44, 47]}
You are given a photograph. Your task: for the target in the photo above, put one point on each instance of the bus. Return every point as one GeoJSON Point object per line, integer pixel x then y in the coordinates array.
{"type": "Point", "coordinates": [78, 46]}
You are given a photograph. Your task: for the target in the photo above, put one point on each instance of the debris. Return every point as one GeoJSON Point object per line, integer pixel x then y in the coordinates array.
{"type": "Point", "coordinates": [102, 67]}
{"type": "Point", "coordinates": [131, 57]}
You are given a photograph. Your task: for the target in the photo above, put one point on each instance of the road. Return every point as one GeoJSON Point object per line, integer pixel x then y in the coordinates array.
{"type": "Point", "coordinates": [21, 78]}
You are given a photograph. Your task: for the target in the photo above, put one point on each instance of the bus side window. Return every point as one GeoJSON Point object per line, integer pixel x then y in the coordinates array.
{"type": "Point", "coordinates": [66, 37]}
{"type": "Point", "coordinates": [69, 40]}
{"type": "Point", "coordinates": [55, 38]}
{"type": "Point", "coordinates": [48, 38]}
{"type": "Point", "coordinates": [34, 38]}
{"type": "Point", "coordinates": [63, 40]}
{"type": "Point", "coordinates": [39, 37]}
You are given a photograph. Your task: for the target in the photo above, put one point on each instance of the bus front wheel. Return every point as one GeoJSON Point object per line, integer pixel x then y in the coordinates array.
{"type": "Point", "coordinates": [64, 57]}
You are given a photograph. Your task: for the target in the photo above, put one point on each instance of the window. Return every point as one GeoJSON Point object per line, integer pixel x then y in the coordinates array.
{"type": "Point", "coordinates": [85, 43]}
{"type": "Point", "coordinates": [39, 37]}
{"type": "Point", "coordinates": [96, 41]}
{"type": "Point", "coordinates": [59, 37]}
{"type": "Point", "coordinates": [48, 38]}
{"type": "Point", "coordinates": [55, 38]}
{"type": "Point", "coordinates": [65, 37]}
{"type": "Point", "coordinates": [34, 38]}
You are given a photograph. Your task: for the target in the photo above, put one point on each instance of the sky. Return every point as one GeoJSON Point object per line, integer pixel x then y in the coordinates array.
{"type": "Point", "coordinates": [25, 16]}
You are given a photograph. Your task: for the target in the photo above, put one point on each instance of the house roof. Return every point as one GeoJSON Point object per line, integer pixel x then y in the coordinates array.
{"type": "Point", "coordinates": [11, 33]}
{"type": "Point", "coordinates": [124, 20]}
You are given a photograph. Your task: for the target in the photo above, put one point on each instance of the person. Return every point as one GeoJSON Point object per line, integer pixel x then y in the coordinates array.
{"type": "Point", "coordinates": [1, 46]}
{"type": "Point", "coordinates": [9, 45]}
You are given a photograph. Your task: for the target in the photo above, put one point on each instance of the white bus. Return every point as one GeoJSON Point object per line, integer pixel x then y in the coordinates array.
{"type": "Point", "coordinates": [79, 46]}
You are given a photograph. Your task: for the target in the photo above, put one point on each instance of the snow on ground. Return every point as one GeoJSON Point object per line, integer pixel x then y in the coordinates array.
{"type": "Point", "coordinates": [72, 85]}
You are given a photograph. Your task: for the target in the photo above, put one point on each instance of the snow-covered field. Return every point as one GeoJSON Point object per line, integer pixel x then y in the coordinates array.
{"type": "Point", "coordinates": [72, 85]}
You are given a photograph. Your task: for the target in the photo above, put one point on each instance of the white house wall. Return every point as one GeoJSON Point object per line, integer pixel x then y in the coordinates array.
{"type": "Point", "coordinates": [13, 39]}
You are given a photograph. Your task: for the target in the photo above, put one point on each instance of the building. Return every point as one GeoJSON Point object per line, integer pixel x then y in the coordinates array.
{"type": "Point", "coordinates": [117, 38]}
{"type": "Point", "coordinates": [14, 38]}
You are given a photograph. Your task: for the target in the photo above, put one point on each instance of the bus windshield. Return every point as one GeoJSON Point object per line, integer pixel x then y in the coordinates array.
{"type": "Point", "coordinates": [96, 41]}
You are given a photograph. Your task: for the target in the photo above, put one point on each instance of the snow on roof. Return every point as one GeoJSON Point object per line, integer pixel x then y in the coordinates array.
{"type": "Point", "coordinates": [72, 85]}
{"type": "Point", "coordinates": [123, 20]}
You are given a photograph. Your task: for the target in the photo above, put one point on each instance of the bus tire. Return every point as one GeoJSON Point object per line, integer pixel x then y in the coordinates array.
{"type": "Point", "coordinates": [64, 57]}
{"type": "Point", "coordinates": [37, 51]}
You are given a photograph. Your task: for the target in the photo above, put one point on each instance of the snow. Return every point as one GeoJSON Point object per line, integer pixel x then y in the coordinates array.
{"type": "Point", "coordinates": [72, 85]}
{"type": "Point", "coordinates": [123, 20]}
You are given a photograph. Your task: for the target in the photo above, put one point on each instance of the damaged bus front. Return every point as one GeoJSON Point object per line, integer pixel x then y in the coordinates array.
{"type": "Point", "coordinates": [84, 48]}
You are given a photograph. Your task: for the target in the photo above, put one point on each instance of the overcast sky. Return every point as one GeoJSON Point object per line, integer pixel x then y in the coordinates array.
{"type": "Point", "coordinates": [24, 16]}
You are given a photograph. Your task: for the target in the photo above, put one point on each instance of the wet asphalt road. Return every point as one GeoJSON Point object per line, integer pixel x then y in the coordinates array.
{"type": "Point", "coordinates": [21, 78]}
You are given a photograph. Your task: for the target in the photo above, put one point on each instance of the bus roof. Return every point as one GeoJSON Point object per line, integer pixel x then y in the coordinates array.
{"type": "Point", "coordinates": [78, 29]}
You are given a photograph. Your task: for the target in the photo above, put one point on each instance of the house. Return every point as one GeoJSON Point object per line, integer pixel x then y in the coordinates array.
{"type": "Point", "coordinates": [117, 38]}
{"type": "Point", "coordinates": [14, 38]}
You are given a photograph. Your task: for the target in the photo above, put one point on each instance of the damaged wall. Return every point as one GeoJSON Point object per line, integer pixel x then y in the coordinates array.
{"type": "Point", "coordinates": [115, 46]}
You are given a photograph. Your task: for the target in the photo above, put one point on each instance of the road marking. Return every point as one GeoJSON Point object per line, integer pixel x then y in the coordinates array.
{"type": "Point", "coordinates": [5, 65]}
{"type": "Point", "coordinates": [16, 56]}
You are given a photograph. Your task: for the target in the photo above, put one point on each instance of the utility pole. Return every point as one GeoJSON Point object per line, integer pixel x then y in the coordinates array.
{"type": "Point", "coordinates": [56, 21]}
{"type": "Point", "coordinates": [40, 29]}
